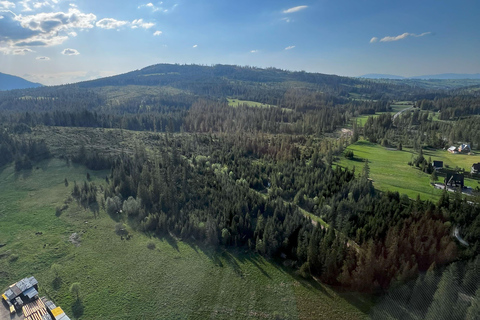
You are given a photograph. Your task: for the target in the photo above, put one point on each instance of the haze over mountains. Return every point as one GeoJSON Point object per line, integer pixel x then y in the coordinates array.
{"type": "Point", "coordinates": [443, 76]}
{"type": "Point", "coordinates": [9, 82]}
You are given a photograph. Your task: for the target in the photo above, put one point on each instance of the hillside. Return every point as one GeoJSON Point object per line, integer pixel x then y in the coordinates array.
{"type": "Point", "coordinates": [9, 82]}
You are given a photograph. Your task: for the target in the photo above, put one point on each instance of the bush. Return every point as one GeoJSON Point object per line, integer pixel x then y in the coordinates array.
{"type": "Point", "coordinates": [349, 154]}
{"type": "Point", "coordinates": [151, 245]}
{"type": "Point", "coordinates": [13, 257]}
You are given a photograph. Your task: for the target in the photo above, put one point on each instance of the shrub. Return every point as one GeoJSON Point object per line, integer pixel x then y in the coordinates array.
{"type": "Point", "coordinates": [151, 245]}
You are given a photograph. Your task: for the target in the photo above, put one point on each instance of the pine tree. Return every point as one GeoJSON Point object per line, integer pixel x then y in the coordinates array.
{"type": "Point", "coordinates": [446, 296]}
{"type": "Point", "coordinates": [473, 313]}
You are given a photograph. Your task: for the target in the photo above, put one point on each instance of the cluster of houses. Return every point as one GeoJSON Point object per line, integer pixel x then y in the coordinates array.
{"type": "Point", "coordinates": [464, 148]}
{"type": "Point", "coordinates": [23, 296]}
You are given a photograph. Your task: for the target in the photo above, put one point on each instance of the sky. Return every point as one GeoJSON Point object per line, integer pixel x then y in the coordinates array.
{"type": "Point", "coordinates": [66, 41]}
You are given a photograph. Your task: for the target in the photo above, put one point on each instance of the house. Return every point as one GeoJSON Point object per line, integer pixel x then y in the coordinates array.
{"type": "Point", "coordinates": [464, 148]}
{"type": "Point", "coordinates": [437, 165]}
{"type": "Point", "coordinates": [452, 149]}
{"type": "Point", "coordinates": [475, 168]}
{"type": "Point", "coordinates": [454, 180]}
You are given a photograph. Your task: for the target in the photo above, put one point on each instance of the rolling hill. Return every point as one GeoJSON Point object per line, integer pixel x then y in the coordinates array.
{"type": "Point", "coordinates": [9, 82]}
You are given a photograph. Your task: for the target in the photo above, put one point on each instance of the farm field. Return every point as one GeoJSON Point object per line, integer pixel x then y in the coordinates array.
{"type": "Point", "coordinates": [126, 279]}
{"type": "Point", "coordinates": [390, 171]}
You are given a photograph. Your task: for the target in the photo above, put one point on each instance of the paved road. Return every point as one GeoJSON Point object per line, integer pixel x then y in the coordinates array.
{"type": "Point", "coordinates": [400, 112]}
{"type": "Point", "coordinates": [456, 233]}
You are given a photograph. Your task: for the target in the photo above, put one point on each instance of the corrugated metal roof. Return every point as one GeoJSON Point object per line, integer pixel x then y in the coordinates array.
{"type": "Point", "coordinates": [50, 305]}
{"type": "Point", "coordinates": [62, 317]}
{"type": "Point", "coordinates": [10, 294]}
{"type": "Point", "coordinates": [30, 293]}
{"type": "Point", "coordinates": [47, 317]}
{"type": "Point", "coordinates": [32, 281]}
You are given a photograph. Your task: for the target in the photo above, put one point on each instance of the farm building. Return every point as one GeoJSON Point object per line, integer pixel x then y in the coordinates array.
{"type": "Point", "coordinates": [454, 180]}
{"type": "Point", "coordinates": [475, 168]}
{"type": "Point", "coordinates": [437, 165]}
{"type": "Point", "coordinates": [24, 295]}
{"type": "Point", "coordinates": [464, 148]}
{"type": "Point", "coordinates": [452, 149]}
{"type": "Point", "coordinates": [20, 293]}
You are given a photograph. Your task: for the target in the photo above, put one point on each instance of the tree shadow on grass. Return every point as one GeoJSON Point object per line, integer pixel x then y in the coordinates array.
{"type": "Point", "coordinates": [78, 308]}
{"type": "Point", "coordinates": [57, 283]}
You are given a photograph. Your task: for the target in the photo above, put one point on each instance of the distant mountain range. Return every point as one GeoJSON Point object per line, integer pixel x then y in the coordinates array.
{"type": "Point", "coordinates": [9, 82]}
{"type": "Point", "coordinates": [443, 76]}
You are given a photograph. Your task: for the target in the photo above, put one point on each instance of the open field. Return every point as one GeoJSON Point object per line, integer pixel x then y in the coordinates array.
{"type": "Point", "coordinates": [123, 279]}
{"type": "Point", "coordinates": [390, 171]}
{"type": "Point", "coordinates": [237, 102]}
{"type": "Point", "coordinates": [399, 106]}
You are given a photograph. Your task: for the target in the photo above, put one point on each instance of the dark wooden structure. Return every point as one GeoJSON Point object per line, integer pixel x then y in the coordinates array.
{"type": "Point", "coordinates": [454, 180]}
{"type": "Point", "coordinates": [437, 164]}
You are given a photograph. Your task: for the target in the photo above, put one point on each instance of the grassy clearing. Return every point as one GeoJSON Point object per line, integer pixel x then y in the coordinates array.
{"type": "Point", "coordinates": [122, 279]}
{"type": "Point", "coordinates": [237, 102]}
{"type": "Point", "coordinates": [390, 171]}
{"type": "Point", "coordinates": [399, 106]}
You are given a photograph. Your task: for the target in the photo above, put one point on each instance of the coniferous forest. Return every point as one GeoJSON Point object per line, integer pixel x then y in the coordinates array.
{"type": "Point", "coordinates": [183, 162]}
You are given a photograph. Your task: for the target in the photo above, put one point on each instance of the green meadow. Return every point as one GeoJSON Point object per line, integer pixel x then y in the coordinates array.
{"type": "Point", "coordinates": [399, 106]}
{"type": "Point", "coordinates": [390, 171]}
{"type": "Point", "coordinates": [126, 279]}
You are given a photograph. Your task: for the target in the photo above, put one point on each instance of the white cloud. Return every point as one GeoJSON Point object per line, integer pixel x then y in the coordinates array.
{"type": "Point", "coordinates": [403, 36]}
{"type": "Point", "coordinates": [38, 5]}
{"type": "Point", "coordinates": [374, 39]}
{"type": "Point", "coordinates": [73, 5]}
{"type": "Point", "coordinates": [41, 29]}
{"type": "Point", "coordinates": [21, 52]}
{"type": "Point", "coordinates": [6, 5]}
{"type": "Point", "coordinates": [287, 20]}
{"type": "Point", "coordinates": [289, 47]}
{"type": "Point", "coordinates": [295, 9]}
{"type": "Point", "coordinates": [138, 23]}
{"type": "Point", "coordinates": [110, 23]}
{"type": "Point", "coordinates": [70, 52]}
{"type": "Point", "coordinates": [253, 51]}
{"type": "Point", "coordinates": [195, 45]}
{"type": "Point", "coordinates": [43, 58]}
{"type": "Point", "coordinates": [157, 33]}
{"type": "Point", "coordinates": [58, 21]}
{"type": "Point", "coordinates": [155, 8]}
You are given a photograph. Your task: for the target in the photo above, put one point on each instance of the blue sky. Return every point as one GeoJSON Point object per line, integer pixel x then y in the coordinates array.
{"type": "Point", "coordinates": [61, 41]}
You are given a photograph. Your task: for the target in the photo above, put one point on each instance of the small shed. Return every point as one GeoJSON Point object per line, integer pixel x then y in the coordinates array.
{"type": "Point", "coordinates": [454, 180]}
{"type": "Point", "coordinates": [475, 168]}
{"type": "Point", "coordinates": [437, 164]}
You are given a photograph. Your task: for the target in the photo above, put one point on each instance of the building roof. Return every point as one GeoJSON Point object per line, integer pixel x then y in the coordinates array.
{"type": "Point", "coordinates": [10, 294]}
{"type": "Point", "coordinates": [50, 305]}
{"type": "Point", "coordinates": [57, 312]}
{"type": "Point", "coordinates": [16, 290]}
{"type": "Point", "coordinates": [30, 293]}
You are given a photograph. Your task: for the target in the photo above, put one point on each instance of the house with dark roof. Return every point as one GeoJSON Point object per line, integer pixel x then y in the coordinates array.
{"type": "Point", "coordinates": [475, 168]}
{"type": "Point", "coordinates": [464, 148]}
{"type": "Point", "coordinates": [454, 180]}
{"type": "Point", "coordinates": [437, 164]}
